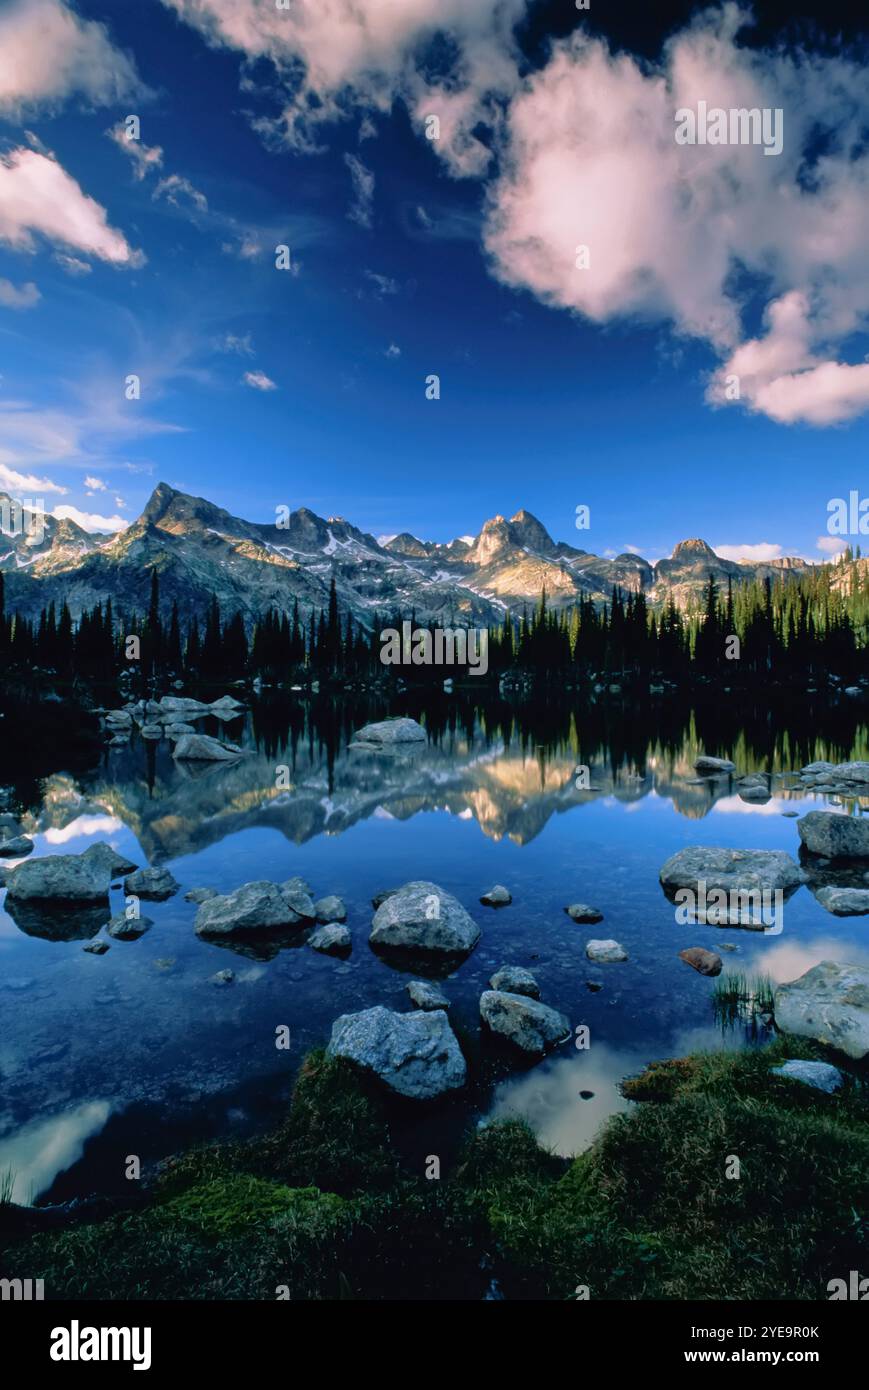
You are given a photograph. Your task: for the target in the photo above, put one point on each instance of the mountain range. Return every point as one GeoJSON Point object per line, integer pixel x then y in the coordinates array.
{"type": "Point", "coordinates": [198, 550]}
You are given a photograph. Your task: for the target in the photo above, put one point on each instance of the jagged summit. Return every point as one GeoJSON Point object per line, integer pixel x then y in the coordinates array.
{"type": "Point", "coordinates": [201, 550]}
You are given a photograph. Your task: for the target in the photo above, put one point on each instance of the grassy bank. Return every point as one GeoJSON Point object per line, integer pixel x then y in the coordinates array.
{"type": "Point", "coordinates": [322, 1206]}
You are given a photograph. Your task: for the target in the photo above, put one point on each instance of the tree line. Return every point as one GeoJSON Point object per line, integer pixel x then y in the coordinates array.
{"type": "Point", "coordinates": [787, 629]}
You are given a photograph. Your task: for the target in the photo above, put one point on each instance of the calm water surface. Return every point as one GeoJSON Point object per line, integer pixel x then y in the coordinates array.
{"type": "Point", "coordinates": [137, 1051]}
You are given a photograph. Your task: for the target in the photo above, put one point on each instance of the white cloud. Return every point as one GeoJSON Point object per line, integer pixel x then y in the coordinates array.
{"type": "Point", "coordinates": [146, 158]}
{"type": "Point", "coordinates": [259, 381]}
{"type": "Point", "coordinates": [119, 502]}
{"type": "Point", "coordinates": [18, 296]}
{"type": "Point", "coordinates": [393, 350]}
{"type": "Point", "coordinates": [71, 264]}
{"type": "Point", "coordinates": [589, 159]}
{"type": "Point", "coordinates": [90, 521]}
{"type": "Point", "coordinates": [38, 195]}
{"type": "Point", "coordinates": [335, 57]}
{"type": "Point", "coordinates": [179, 191]}
{"type": "Point", "coordinates": [94, 484]}
{"type": "Point", "coordinates": [753, 553]}
{"type": "Point", "coordinates": [831, 545]}
{"type": "Point", "coordinates": [383, 284]}
{"type": "Point", "coordinates": [240, 344]}
{"type": "Point", "coordinates": [26, 483]}
{"type": "Point", "coordinates": [47, 53]}
{"type": "Point", "coordinates": [361, 209]}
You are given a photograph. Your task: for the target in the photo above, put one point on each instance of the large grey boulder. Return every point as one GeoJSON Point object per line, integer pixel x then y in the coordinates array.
{"type": "Point", "coordinates": [124, 928]}
{"type": "Point", "coordinates": [179, 707]}
{"type": "Point", "coordinates": [731, 870]}
{"type": "Point", "coordinates": [389, 733]}
{"type": "Point", "coordinates": [605, 951]}
{"type": "Point", "coordinates": [821, 1075]}
{"type": "Point", "coordinates": [425, 995]}
{"type": "Point", "coordinates": [526, 1023]}
{"type": "Point", "coordinates": [420, 916]}
{"type": "Point", "coordinates": [62, 877]}
{"type": "Point", "coordinates": [298, 899]}
{"type": "Point", "coordinates": [707, 765]}
{"type": "Point", "coordinates": [203, 748]}
{"type": "Point", "coordinates": [156, 884]}
{"type": "Point", "coordinates": [332, 940]}
{"type": "Point", "coordinates": [330, 909]}
{"type": "Point", "coordinates": [834, 835]}
{"type": "Point", "coordinates": [257, 906]}
{"type": "Point", "coordinates": [18, 846]}
{"type": "Point", "coordinates": [844, 902]}
{"type": "Point", "coordinates": [415, 1055]}
{"type": "Point", "coordinates": [116, 865]}
{"type": "Point", "coordinates": [512, 979]}
{"type": "Point", "coordinates": [829, 1003]}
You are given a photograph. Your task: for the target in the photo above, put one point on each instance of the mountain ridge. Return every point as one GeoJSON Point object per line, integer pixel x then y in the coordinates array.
{"type": "Point", "coordinates": [199, 549]}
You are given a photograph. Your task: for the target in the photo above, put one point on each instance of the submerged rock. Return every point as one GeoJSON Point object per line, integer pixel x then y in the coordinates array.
{"type": "Point", "coordinates": [821, 1075]}
{"type": "Point", "coordinates": [97, 947]}
{"type": "Point", "coordinates": [497, 897]}
{"type": "Point", "coordinates": [835, 835]}
{"type": "Point", "coordinates": [526, 1023]}
{"type": "Point", "coordinates": [583, 913]}
{"type": "Point", "coordinates": [829, 1003]}
{"type": "Point", "coordinates": [608, 950]}
{"type": "Point", "coordinates": [257, 906]}
{"type": "Point", "coordinates": [330, 909]}
{"type": "Point", "coordinates": [223, 977]}
{"type": "Point", "coordinates": [154, 731]}
{"type": "Point", "coordinates": [416, 1054]}
{"type": "Point", "coordinates": [200, 895]}
{"type": "Point", "coordinates": [176, 731]}
{"type": "Point", "coordinates": [156, 884]}
{"type": "Point", "coordinates": [420, 916]}
{"type": "Point", "coordinates": [703, 961]}
{"type": "Point", "coordinates": [331, 940]}
{"type": "Point", "coordinates": [426, 996]}
{"type": "Point", "coordinates": [203, 748]}
{"type": "Point", "coordinates": [389, 733]}
{"type": "Point", "coordinates": [512, 979]}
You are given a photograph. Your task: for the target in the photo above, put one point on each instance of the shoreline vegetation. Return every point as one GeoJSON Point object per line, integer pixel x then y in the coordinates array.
{"type": "Point", "coordinates": [805, 633]}
{"type": "Point", "coordinates": [323, 1207]}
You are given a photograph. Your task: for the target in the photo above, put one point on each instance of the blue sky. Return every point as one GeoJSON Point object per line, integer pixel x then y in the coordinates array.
{"type": "Point", "coordinates": [261, 387]}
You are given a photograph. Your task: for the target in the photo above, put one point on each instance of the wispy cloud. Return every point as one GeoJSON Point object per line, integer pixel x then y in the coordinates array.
{"type": "Point", "coordinates": [259, 381]}
{"type": "Point", "coordinates": [18, 296]}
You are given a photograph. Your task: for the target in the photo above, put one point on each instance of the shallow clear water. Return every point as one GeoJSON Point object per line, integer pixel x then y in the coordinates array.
{"type": "Point", "coordinates": [137, 1051]}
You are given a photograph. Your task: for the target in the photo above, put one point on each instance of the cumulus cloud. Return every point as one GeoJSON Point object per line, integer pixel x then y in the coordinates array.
{"type": "Point", "coordinates": [48, 53]}
{"type": "Point", "coordinates": [259, 381]}
{"type": "Point", "coordinates": [90, 521]}
{"type": "Point", "coordinates": [831, 545]}
{"type": "Point", "coordinates": [753, 553]}
{"type": "Point", "coordinates": [38, 196]}
{"type": "Point", "coordinates": [146, 158]}
{"type": "Point", "coordinates": [94, 485]}
{"type": "Point", "coordinates": [336, 57]}
{"type": "Point", "coordinates": [27, 483]}
{"type": "Point", "coordinates": [687, 233]}
{"type": "Point", "coordinates": [18, 296]}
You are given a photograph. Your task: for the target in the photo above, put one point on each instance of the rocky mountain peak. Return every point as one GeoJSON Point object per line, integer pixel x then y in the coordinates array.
{"type": "Point", "coordinates": [692, 550]}
{"type": "Point", "coordinates": [527, 530]}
